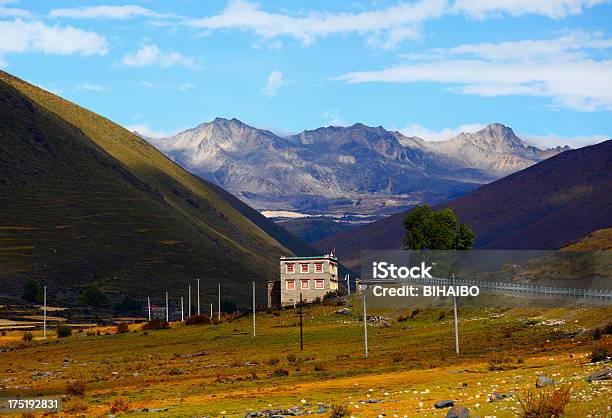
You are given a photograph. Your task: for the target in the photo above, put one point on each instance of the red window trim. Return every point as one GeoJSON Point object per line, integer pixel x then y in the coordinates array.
{"type": "Point", "coordinates": [318, 267]}
{"type": "Point", "coordinates": [302, 282]}
{"type": "Point", "coordinates": [302, 265]}
{"type": "Point", "coordinates": [290, 268]}
{"type": "Point", "coordinates": [319, 282]}
{"type": "Point", "coordinates": [290, 282]}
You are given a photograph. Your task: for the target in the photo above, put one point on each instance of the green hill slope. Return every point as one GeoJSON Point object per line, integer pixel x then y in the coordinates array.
{"type": "Point", "coordinates": [86, 201]}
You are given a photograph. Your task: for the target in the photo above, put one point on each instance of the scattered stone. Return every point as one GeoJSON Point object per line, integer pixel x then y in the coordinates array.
{"type": "Point", "coordinates": [344, 311]}
{"type": "Point", "coordinates": [544, 381]}
{"type": "Point", "coordinates": [370, 401]}
{"type": "Point", "coordinates": [191, 355]}
{"type": "Point", "coordinates": [41, 375]}
{"type": "Point", "coordinates": [458, 412]}
{"type": "Point", "coordinates": [605, 374]}
{"type": "Point", "coordinates": [444, 404]}
{"type": "Point", "coordinates": [496, 396]}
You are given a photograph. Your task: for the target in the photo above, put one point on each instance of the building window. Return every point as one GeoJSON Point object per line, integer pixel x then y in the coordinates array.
{"type": "Point", "coordinates": [318, 267]}
{"type": "Point", "coordinates": [319, 284]}
{"type": "Point", "coordinates": [290, 285]}
{"type": "Point", "coordinates": [304, 268]}
{"type": "Point", "coordinates": [290, 267]}
{"type": "Point", "coordinates": [305, 284]}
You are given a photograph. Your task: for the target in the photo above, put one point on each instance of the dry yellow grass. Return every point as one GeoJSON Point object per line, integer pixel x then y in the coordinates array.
{"type": "Point", "coordinates": [222, 370]}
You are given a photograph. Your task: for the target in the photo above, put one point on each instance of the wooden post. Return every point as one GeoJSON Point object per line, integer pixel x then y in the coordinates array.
{"type": "Point", "coordinates": [301, 323]}
{"type": "Point", "coordinates": [189, 301]}
{"type": "Point", "coordinates": [45, 313]}
{"type": "Point", "coordinates": [254, 310]}
{"type": "Point", "coordinates": [219, 312]}
{"type": "Point", "coordinates": [456, 318]}
{"type": "Point", "coordinates": [182, 311]}
{"type": "Point", "coordinates": [198, 296]}
{"type": "Point", "coordinates": [365, 323]}
{"type": "Point", "coordinates": [167, 310]}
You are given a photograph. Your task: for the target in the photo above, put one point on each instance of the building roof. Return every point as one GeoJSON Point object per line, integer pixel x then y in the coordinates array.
{"type": "Point", "coordinates": [321, 257]}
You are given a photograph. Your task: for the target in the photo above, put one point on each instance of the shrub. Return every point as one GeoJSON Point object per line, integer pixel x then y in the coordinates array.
{"type": "Point", "coordinates": [273, 361]}
{"type": "Point", "coordinates": [64, 331]}
{"type": "Point", "coordinates": [501, 362]}
{"type": "Point", "coordinates": [90, 332]}
{"type": "Point", "coordinates": [3, 333]}
{"type": "Point", "coordinates": [93, 296]}
{"type": "Point", "coordinates": [319, 368]}
{"type": "Point", "coordinates": [119, 405]}
{"type": "Point", "coordinates": [123, 328]}
{"type": "Point", "coordinates": [127, 305]}
{"type": "Point", "coordinates": [600, 352]}
{"type": "Point", "coordinates": [75, 387]}
{"type": "Point", "coordinates": [291, 358]}
{"type": "Point", "coordinates": [198, 319]}
{"type": "Point", "coordinates": [339, 411]}
{"type": "Point", "coordinates": [280, 372]}
{"type": "Point", "coordinates": [74, 406]}
{"type": "Point", "coordinates": [398, 357]}
{"type": "Point", "coordinates": [27, 336]}
{"type": "Point", "coordinates": [156, 323]}
{"type": "Point", "coordinates": [32, 292]}
{"type": "Point", "coordinates": [547, 402]}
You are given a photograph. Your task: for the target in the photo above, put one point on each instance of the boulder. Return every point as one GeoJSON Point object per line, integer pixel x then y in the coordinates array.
{"type": "Point", "coordinates": [458, 412]}
{"type": "Point", "coordinates": [444, 404]}
{"type": "Point", "coordinates": [605, 374]}
{"type": "Point", "coordinates": [344, 311]}
{"type": "Point", "coordinates": [544, 381]}
{"type": "Point", "coordinates": [496, 396]}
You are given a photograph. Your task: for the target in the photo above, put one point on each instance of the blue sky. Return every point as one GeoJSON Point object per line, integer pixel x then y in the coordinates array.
{"type": "Point", "coordinates": [428, 68]}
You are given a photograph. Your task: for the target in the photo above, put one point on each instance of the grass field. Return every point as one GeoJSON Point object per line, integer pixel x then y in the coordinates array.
{"type": "Point", "coordinates": [221, 370]}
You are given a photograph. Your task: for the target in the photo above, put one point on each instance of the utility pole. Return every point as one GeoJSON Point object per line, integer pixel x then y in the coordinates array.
{"type": "Point", "coordinates": [301, 323]}
{"type": "Point", "coordinates": [348, 283]}
{"type": "Point", "coordinates": [211, 312]}
{"type": "Point", "coordinates": [365, 322]}
{"type": "Point", "coordinates": [198, 296]}
{"type": "Point", "coordinates": [45, 313]}
{"type": "Point", "coordinates": [167, 312]}
{"type": "Point", "coordinates": [456, 319]}
{"type": "Point", "coordinates": [253, 309]}
{"type": "Point", "coordinates": [182, 311]}
{"type": "Point", "coordinates": [149, 304]}
{"type": "Point", "coordinates": [219, 312]}
{"type": "Point", "coordinates": [189, 302]}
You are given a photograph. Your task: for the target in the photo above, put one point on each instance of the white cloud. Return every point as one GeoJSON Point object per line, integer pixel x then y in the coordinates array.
{"type": "Point", "coordinates": [13, 12]}
{"type": "Point", "coordinates": [552, 140]}
{"type": "Point", "coordinates": [152, 55]}
{"type": "Point", "coordinates": [89, 86]}
{"type": "Point", "coordinates": [275, 81]}
{"type": "Point", "coordinates": [554, 9]}
{"type": "Point", "coordinates": [333, 118]}
{"type": "Point", "coordinates": [565, 69]}
{"type": "Point", "coordinates": [109, 12]}
{"type": "Point", "coordinates": [422, 132]}
{"type": "Point", "coordinates": [385, 27]}
{"type": "Point", "coordinates": [19, 36]}
{"type": "Point", "coordinates": [144, 129]}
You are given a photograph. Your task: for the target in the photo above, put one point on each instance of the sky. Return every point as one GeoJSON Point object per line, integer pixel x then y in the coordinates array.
{"type": "Point", "coordinates": [429, 68]}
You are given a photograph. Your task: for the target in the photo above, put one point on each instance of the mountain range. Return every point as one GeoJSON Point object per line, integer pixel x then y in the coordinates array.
{"type": "Point", "coordinates": [352, 170]}
{"type": "Point", "coordinates": [86, 202]}
{"type": "Point", "coordinates": [546, 206]}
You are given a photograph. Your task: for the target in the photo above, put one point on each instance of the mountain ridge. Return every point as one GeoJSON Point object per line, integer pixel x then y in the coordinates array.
{"type": "Point", "coordinates": [336, 169]}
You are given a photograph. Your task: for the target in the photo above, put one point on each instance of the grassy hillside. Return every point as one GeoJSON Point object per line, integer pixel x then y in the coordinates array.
{"type": "Point", "coordinates": [546, 206]}
{"type": "Point", "coordinates": [221, 370]}
{"type": "Point", "coordinates": [86, 201]}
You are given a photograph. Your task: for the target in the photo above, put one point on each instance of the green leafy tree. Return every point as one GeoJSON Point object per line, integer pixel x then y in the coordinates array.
{"type": "Point", "coordinates": [93, 296]}
{"type": "Point", "coordinates": [32, 291]}
{"type": "Point", "coordinates": [425, 229]}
